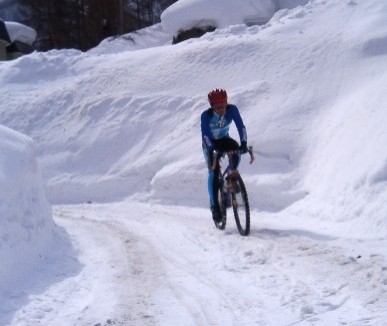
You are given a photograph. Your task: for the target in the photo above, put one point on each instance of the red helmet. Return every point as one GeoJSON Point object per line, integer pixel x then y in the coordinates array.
{"type": "Point", "coordinates": [217, 97]}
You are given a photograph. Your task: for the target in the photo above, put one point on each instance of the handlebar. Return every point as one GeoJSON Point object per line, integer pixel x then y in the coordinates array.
{"type": "Point", "coordinates": [216, 153]}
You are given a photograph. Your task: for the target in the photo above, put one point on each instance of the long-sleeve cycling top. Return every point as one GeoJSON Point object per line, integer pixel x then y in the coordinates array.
{"type": "Point", "coordinates": [215, 127]}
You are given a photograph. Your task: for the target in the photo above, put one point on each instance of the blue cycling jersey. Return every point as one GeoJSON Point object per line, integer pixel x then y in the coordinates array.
{"type": "Point", "coordinates": [216, 127]}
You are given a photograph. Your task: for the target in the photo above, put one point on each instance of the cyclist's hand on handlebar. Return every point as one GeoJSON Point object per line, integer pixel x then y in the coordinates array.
{"type": "Point", "coordinates": [243, 148]}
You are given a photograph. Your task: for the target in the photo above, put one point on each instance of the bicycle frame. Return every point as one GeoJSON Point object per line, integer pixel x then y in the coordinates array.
{"type": "Point", "coordinates": [229, 172]}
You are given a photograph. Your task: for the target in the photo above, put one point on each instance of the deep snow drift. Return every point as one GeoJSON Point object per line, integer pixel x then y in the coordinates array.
{"type": "Point", "coordinates": [29, 237]}
{"type": "Point", "coordinates": [121, 124]}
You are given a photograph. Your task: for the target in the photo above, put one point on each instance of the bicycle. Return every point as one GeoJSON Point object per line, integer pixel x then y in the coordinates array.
{"type": "Point", "coordinates": [232, 192]}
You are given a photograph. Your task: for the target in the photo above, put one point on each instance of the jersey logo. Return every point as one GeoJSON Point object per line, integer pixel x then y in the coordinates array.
{"type": "Point", "coordinates": [221, 122]}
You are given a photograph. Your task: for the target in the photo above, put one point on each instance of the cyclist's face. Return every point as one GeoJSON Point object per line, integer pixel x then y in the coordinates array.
{"type": "Point", "coordinates": [220, 109]}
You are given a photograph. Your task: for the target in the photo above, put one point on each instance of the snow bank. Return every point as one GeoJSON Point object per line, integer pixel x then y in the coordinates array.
{"type": "Point", "coordinates": [27, 230]}
{"type": "Point", "coordinates": [144, 38]}
{"type": "Point", "coordinates": [186, 14]}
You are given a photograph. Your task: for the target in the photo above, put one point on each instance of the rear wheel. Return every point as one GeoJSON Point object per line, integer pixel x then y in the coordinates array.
{"type": "Point", "coordinates": [240, 205]}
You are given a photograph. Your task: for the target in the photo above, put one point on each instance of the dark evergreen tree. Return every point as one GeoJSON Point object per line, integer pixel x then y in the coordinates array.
{"type": "Point", "coordinates": [83, 24]}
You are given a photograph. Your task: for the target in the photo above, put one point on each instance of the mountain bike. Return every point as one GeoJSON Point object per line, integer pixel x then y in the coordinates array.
{"type": "Point", "coordinates": [232, 192]}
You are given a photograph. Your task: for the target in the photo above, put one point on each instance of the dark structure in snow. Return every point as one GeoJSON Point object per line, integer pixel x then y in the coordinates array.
{"type": "Point", "coordinates": [4, 40]}
{"type": "Point", "coordinates": [15, 40]}
{"type": "Point", "coordinates": [192, 33]}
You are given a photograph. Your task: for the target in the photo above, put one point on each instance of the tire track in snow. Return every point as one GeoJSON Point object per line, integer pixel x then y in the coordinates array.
{"type": "Point", "coordinates": [195, 290]}
{"type": "Point", "coordinates": [108, 290]}
{"type": "Point", "coordinates": [189, 291]}
{"type": "Point", "coordinates": [134, 266]}
{"type": "Point", "coordinates": [143, 262]}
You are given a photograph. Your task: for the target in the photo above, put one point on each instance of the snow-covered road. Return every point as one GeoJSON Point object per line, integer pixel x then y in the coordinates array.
{"type": "Point", "coordinates": [149, 264]}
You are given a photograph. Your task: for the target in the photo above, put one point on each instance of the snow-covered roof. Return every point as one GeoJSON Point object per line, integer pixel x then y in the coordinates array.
{"type": "Point", "coordinates": [186, 14]}
{"type": "Point", "coordinates": [21, 33]}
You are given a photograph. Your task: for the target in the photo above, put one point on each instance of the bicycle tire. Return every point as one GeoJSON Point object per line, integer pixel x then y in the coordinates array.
{"type": "Point", "coordinates": [240, 205]}
{"type": "Point", "coordinates": [221, 225]}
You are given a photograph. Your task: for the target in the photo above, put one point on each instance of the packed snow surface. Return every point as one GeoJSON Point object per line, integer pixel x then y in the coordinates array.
{"type": "Point", "coordinates": [117, 138]}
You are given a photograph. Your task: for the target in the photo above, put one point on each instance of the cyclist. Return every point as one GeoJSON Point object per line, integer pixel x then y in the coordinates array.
{"type": "Point", "coordinates": [215, 125]}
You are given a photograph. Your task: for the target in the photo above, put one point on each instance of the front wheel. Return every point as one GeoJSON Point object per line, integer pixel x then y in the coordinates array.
{"type": "Point", "coordinates": [240, 205]}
